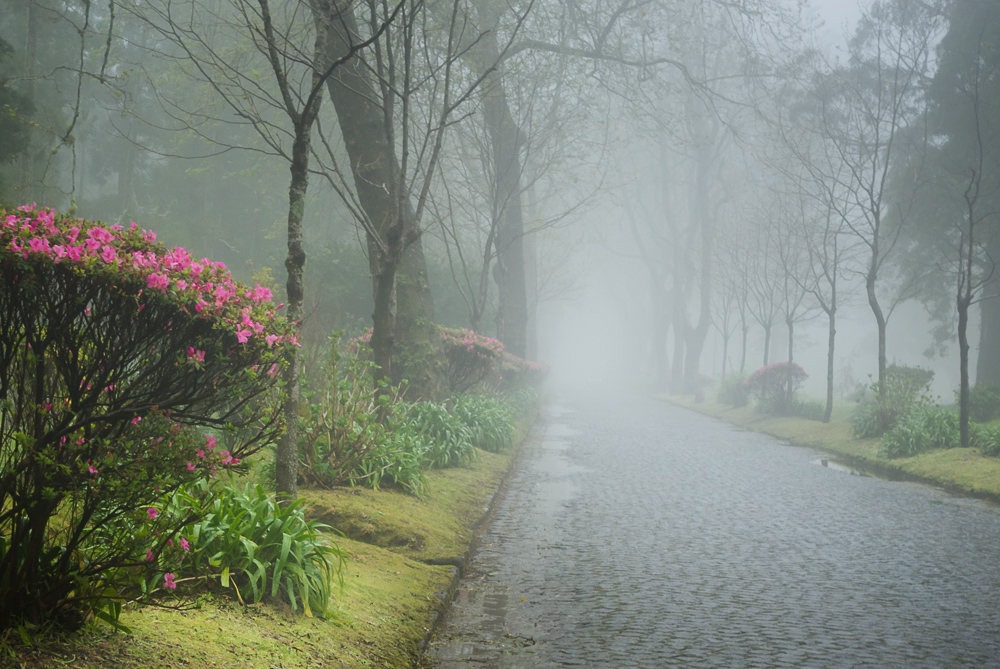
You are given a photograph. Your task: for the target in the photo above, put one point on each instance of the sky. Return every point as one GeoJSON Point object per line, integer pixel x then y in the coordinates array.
{"type": "Point", "coordinates": [836, 14]}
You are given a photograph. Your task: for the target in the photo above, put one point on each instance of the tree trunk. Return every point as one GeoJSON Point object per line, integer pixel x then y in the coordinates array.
{"type": "Point", "coordinates": [832, 313]}
{"type": "Point", "coordinates": [26, 168]}
{"type": "Point", "coordinates": [700, 331]}
{"type": "Point", "coordinates": [287, 452]}
{"type": "Point", "coordinates": [963, 353]}
{"type": "Point", "coordinates": [988, 366]}
{"type": "Point", "coordinates": [395, 245]}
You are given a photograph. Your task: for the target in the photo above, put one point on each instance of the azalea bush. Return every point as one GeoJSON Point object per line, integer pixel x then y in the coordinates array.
{"type": "Point", "coordinates": [126, 370]}
{"type": "Point", "coordinates": [773, 388]}
{"type": "Point", "coordinates": [472, 358]}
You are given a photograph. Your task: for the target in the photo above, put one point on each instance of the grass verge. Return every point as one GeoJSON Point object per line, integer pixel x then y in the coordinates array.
{"type": "Point", "coordinates": [401, 550]}
{"type": "Point", "coordinates": [960, 470]}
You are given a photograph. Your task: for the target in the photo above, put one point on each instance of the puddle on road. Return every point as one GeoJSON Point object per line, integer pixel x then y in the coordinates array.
{"type": "Point", "coordinates": [837, 467]}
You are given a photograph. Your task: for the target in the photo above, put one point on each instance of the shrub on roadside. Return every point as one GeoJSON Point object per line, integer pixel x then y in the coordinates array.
{"type": "Point", "coordinates": [733, 391]}
{"type": "Point", "coordinates": [926, 428]}
{"type": "Point", "coordinates": [117, 355]}
{"type": "Point", "coordinates": [984, 402]}
{"type": "Point", "coordinates": [343, 438]}
{"type": "Point", "coordinates": [986, 438]}
{"type": "Point", "coordinates": [773, 388]}
{"type": "Point", "coordinates": [885, 403]}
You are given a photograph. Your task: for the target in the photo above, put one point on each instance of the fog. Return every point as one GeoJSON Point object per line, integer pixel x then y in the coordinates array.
{"type": "Point", "coordinates": [630, 193]}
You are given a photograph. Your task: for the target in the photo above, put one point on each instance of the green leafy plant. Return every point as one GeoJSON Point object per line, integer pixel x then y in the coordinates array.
{"type": "Point", "coordinates": [489, 420]}
{"type": "Point", "coordinates": [986, 438]}
{"type": "Point", "coordinates": [344, 439]}
{"type": "Point", "coordinates": [882, 406]}
{"type": "Point", "coordinates": [984, 402]}
{"type": "Point", "coordinates": [447, 440]}
{"type": "Point", "coordinates": [925, 428]}
{"type": "Point", "coordinates": [248, 542]}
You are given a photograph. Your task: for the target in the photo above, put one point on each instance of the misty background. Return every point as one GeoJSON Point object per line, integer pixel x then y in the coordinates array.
{"type": "Point", "coordinates": [680, 190]}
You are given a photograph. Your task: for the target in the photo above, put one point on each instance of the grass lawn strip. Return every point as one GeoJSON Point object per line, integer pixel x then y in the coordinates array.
{"type": "Point", "coordinates": [960, 470]}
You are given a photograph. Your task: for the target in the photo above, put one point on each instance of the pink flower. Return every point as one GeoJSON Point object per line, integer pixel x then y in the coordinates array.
{"type": "Point", "coordinates": [270, 339]}
{"type": "Point", "coordinates": [226, 458]}
{"type": "Point", "coordinates": [149, 555]}
{"type": "Point", "coordinates": [152, 513]}
{"type": "Point", "coordinates": [168, 581]}
{"type": "Point", "coordinates": [201, 454]}
{"type": "Point", "coordinates": [91, 468]}
{"type": "Point", "coordinates": [135, 421]}
{"type": "Point", "coordinates": [195, 355]}
{"type": "Point", "coordinates": [260, 294]}
{"type": "Point", "coordinates": [108, 253]}
{"type": "Point", "coordinates": [243, 335]}
{"type": "Point", "coordinates": [191, 466]}
{"type": "Point", "coordinates": [39, 245]}
{"type": "Point", "coordinates": [210, 441]}
{"type": "Point", "coordinates": [184, 544]}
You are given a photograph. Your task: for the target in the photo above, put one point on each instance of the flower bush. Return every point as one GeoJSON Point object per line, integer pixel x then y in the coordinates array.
{"type": "Point", "coordinates": [773, 387]}
{"type": "Point", "coordinates": [126, 370]}
{"type": "Point", "coordinates": [472, 358]}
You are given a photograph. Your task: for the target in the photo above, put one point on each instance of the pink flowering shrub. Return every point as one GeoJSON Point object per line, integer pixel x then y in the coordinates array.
{"type": "Point", "coordinates": [773, 387]}
{"type": "Point", "coordinates": [472, 358]}
{"type": "Point", "coordinates": [126, 370]}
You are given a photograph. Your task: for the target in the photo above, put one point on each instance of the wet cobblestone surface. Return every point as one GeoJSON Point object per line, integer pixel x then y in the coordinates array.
{"type": "Point", "coordinates": [637, 534]}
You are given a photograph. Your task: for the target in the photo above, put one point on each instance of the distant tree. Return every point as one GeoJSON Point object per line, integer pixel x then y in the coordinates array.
{"type": "Point", "coordinates": [15, 111]}
{"type": "Point", "coordinates": [870, 109]}
{"type": "Point", "coordinates": [965, 99]}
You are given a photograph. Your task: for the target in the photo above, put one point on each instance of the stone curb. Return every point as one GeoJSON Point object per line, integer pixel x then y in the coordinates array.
{"type": "Point", "coordinates": [447, 595]}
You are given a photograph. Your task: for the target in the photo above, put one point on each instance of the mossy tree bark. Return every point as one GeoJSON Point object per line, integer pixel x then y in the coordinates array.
{"type": "Point", "coordinates": [405, 342]}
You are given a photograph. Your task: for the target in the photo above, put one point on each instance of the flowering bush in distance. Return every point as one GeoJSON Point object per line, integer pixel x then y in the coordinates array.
{"type": "Point", "coordinates": [773, 387]}
{"type": "Point", "coordinates": [126, 370]}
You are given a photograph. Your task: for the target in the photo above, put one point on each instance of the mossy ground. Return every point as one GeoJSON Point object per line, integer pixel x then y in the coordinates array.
{"type": "Point", "coordinates": [962, 470]}
{"type": "Point", "coordinates": [389, 600]}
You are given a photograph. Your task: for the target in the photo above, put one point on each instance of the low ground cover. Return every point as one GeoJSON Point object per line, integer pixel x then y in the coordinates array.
{"type": "Point", "coordinates": [389, 600]}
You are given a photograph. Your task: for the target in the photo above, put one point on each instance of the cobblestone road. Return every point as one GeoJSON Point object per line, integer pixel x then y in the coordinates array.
{"type": "Point", "coordinates": [637, 534]}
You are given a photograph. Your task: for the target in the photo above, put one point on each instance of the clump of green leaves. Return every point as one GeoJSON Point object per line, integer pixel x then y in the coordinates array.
{"type": "Point", "coordinates": [251, 544]}
{"type": "Point", "coordinates": [446, 438]}
{"type": "Point", "coordinates": [984, 402]}
{"type": "Point", "coordinates": [901, 390]}
{"type": "Point", "coordinates": [925, 428]}
{"type": "Point", "coordinates": [344, 438]}
{"type": "Point", "coordinates": [489, 420]}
